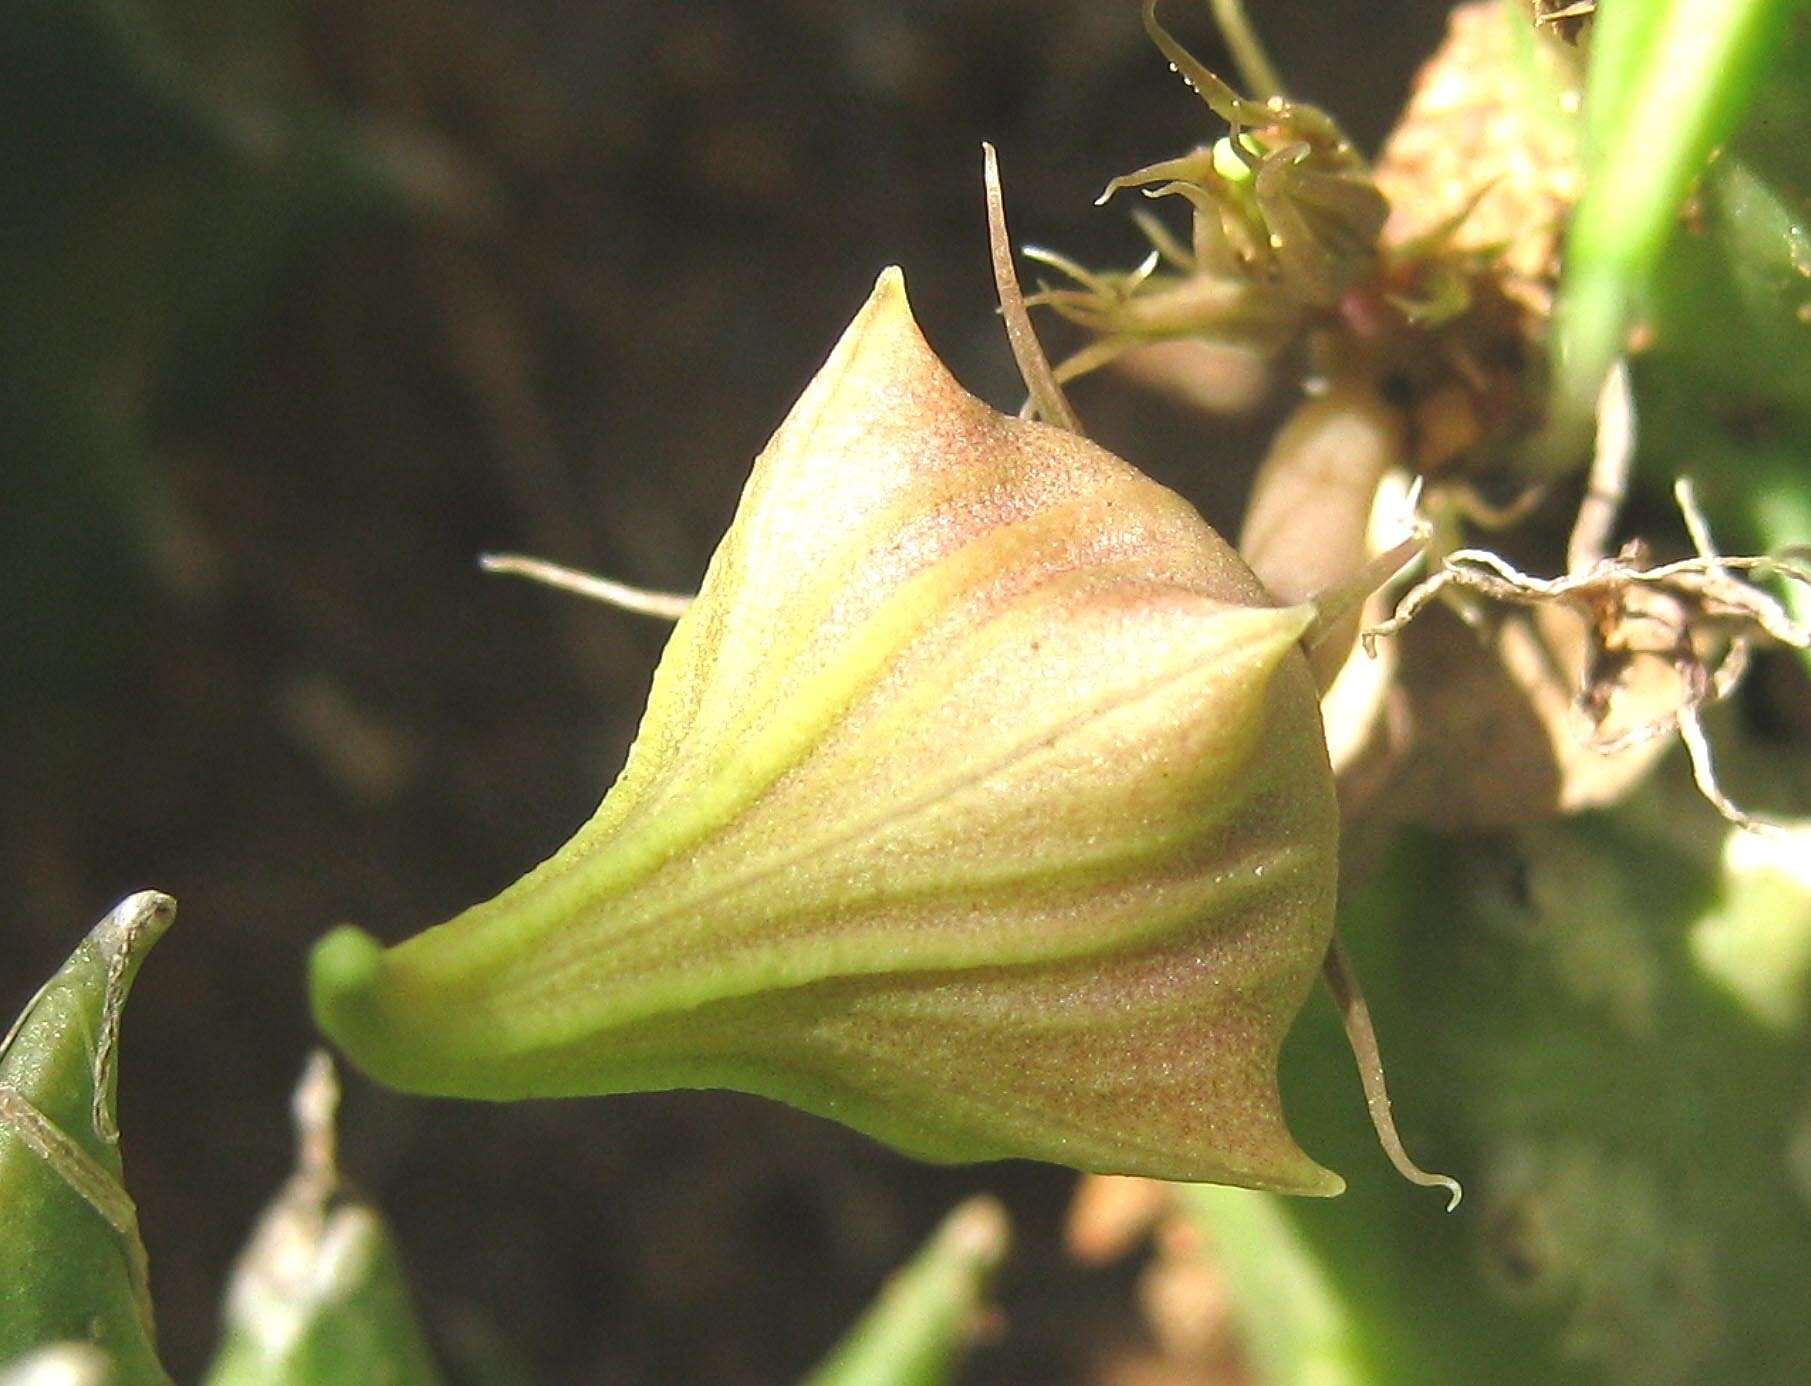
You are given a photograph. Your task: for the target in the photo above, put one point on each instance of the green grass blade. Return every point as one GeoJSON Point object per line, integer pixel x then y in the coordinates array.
{"type": "Point", "coordinates": [1296, 1327]}
{"type": "Point", "coordinates": [1669, 80]}
{"type": "Point", "coordinates": [915, 1332]}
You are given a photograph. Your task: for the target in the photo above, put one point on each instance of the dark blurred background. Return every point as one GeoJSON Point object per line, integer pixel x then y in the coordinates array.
{"type": "Point", "coordinates": [304, 304]}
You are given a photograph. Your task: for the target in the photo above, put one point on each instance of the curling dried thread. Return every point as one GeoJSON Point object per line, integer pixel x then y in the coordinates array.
{"type": "Point", "coordinates": [1342, 983]}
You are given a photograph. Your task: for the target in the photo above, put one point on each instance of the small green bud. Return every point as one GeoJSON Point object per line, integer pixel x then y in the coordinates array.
{"type": "Point", "coordinates": [72, 1266]}
{"type": "Point", "coordinates": [981, 803]}
{"type": "Point", "coordinates": [1230, 164]}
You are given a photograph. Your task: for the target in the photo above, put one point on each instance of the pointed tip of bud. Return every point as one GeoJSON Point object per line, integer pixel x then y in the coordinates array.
{"type": "Point", "coordinates": [1321, 1182]}
{"type": "Point", "coordinates": [152, 906]}
{"type": "Point", "coordinates": [888, 305]}
{"type": "Point", "coordinates": [344, 970]}
{"type": "Point", "coordinates": [134, 924]}
{"type": "Point", "coordinates": [344, 963]}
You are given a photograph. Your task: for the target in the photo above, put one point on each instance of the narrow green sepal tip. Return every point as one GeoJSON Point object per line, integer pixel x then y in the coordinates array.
{"type": "Point", "coordinates": [1320, 1183]}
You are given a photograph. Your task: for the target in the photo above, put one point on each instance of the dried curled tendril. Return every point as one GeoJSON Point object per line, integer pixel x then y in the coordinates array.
{"type": "Point", "coordinates": [1701, 616]}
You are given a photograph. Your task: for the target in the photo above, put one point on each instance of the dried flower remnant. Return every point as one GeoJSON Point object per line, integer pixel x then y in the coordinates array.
{"type": "Point", "coordinates": [1481, 172]}
{"type": "Point", "coordinates": [667, 606]}
{"type": "Point", "coordinates": [1698, 616]}
{"type": "Point", "coordinates": [1285, 220]}
{"type": "Point", "coordinates": [1570, 20]}
{"type": "Point", "coordinates": [1485, 156]}
{"type": "Point", "coordinates": [1425, 279]}
{"type": "Point", "coordinates": [1284, 198]}
{"type": "Point", "coordinates": [1044, 391]}
{"type": "Point", "coordinates": [981, 804]}
{"type": "Point", "coordinates": [1468, 728]}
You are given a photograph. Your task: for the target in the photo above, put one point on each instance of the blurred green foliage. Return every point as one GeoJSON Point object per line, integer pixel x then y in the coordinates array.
{"type": "Point", "coordinates": [167, 168]}
{"type": "Point", "coordinates": [1669, 80]}
{"type": "Point", "coordinates": [916, 1331]}
{"type": "Point", "coordinates": [1568, 1027]}
{"type": "Point", "coordinates": [1724, 389]}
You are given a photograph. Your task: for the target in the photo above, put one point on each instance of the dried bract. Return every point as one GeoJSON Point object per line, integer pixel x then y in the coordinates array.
{"type": "Point", "coordinates": [1698, 616]}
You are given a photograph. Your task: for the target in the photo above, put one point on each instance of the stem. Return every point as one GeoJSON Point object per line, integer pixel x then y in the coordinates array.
{"type": "Point", "coordinates": [1780, 510]}
{"type": "Point", "coordinates": [1667, 82]}
{"type": "Point", "coordinates": [1611, 462]}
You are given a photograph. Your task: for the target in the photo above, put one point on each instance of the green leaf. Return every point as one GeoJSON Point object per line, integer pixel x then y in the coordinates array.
{"type": "Point", "coordinates": [915, 1332]}
{"type": "Point", "coordinates": [72, 1267]}
{"type": "Point", "coordinates": [1296, 1326]}
{"type": "Point", "coordinates": [1724, 387]}
{"type": "Point", "coordinates": [1668, 81]}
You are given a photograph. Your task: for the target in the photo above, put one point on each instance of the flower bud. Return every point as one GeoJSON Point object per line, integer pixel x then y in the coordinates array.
{"type": "Point", "coordinates": [981, 803]}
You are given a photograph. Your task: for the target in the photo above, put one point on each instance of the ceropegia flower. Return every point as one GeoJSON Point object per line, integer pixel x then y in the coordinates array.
{"type": "Point", "coordinates": [981, 803]}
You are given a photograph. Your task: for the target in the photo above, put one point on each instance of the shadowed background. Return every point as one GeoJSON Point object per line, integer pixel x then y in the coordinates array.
{"type": "Point", "coordinates": [307, 303]}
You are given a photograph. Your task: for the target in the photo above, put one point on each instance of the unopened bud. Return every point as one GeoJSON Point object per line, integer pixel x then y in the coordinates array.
{"type": "Point", "coordinates": [981, 803]}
